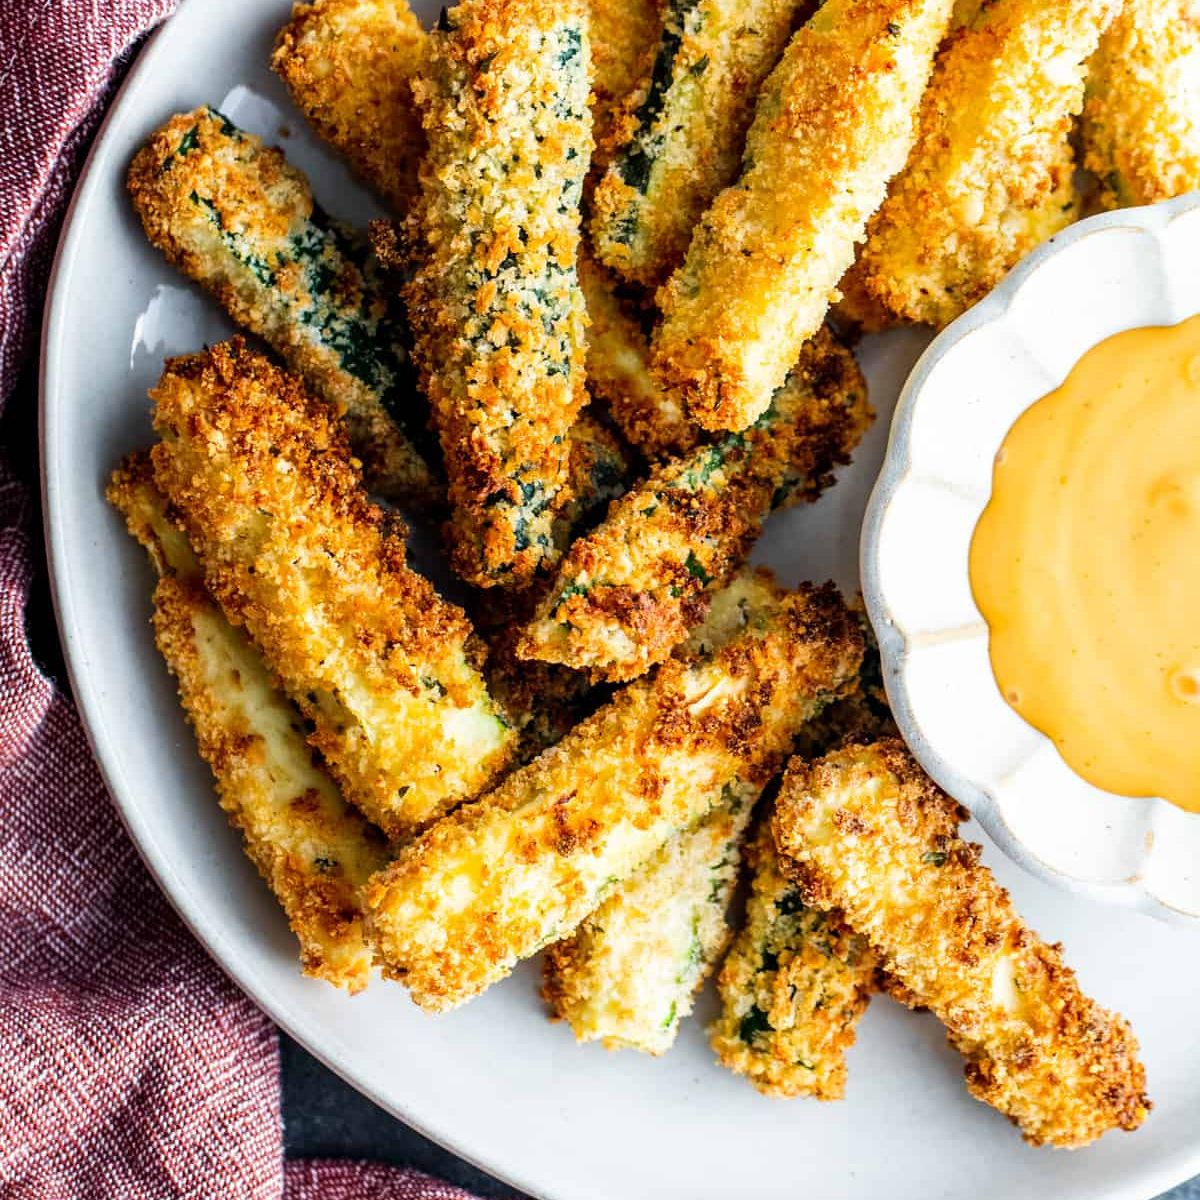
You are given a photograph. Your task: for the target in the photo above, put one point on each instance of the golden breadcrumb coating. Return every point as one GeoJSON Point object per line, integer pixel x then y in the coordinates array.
{"type": "Point", "coordinates": [991, 174]}
{"type": "Point", "coordinates": [598, 471]}
{"type": "Point", "coordinates": [684, 128]}
{"type": "Point", "coordinates": [1141, 120]}
{"type": "Point", "coordinates": [629, 974]}
{"type": "Point", "coordinates": [499, 879]}
{"type": "Point", "coordinates": [792, 988]}
{"type": "Point", "coordinates": [312, 849]}
{"type": "Point", "coordinates": [858, 311]}
{"type": "Point", "coordinates": [629, 591]}
{"type": "Point", "coordinates": [623, 33]}
{"type": "Point", "coordinates": [867, 832]}
{"type": "Point", "coordinates": [349, 66]}
{"type": "Point", "coordinates": [383, 667]}
{"type": "Point", "coordinates": [651, 419]}
{"type": "Point", "coordinates": [495, 303]}
{"type": "Point", "coordinates": [236, 218]}
{"type": "Point", "coordinates": [835, 120]}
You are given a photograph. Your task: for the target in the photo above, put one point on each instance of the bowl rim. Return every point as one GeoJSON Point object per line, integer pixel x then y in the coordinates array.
{"type": "Point", "coordinates": [894, 645]}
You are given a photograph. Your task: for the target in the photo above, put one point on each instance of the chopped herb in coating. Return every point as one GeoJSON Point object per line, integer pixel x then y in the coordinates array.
{"type": "Point", "coordinates": [235, 217]}
{"type": "Point", "coordinates": [628, 592]}
{"type": "Point", "coordinates": [497, 312]}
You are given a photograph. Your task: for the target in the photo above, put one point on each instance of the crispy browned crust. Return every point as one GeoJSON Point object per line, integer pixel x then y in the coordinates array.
{"type": "Point", "coordinates": [991, 174]}
{"type": "Point", "coordinates": [623, 34]}
{"type": "Point", "coordinates": [499, 879]}
{"type": "Point", "coordinates": [1141, 127]}
{"type": "Point", "coordinates": [628, 592]}
{"type": "Point", "coordinates": [314, 852]}
{"type": "Point", "coordinates": [835, 118]}
{"type": "Point", "coordinates": [495, 304]}
{"type": "Point", "coordinates": [349, 65]}
{"type": "Point", "coordinates": [682, 129]}
{"type": "Point", "coordinates": [235, 217]}
{"type": "Point", "coordinates": [867, 831]}
{"type": "Point", "coordinates": [618, 366]}
{"type": "Point", "coordinates": [792, 988]}
{"type": "Point", "coordinates": [384, 668]}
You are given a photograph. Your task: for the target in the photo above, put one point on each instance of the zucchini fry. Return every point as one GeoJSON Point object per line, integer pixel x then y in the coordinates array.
{"type": "Point", "coordinates": [623, 34]}
{"type": "Point", "coordinates": [597, 472]}
{"type": "Point", "coordinates": [1141, 119]}
{"type": "Point", "coordinates": [792, 988]}
{"type": "Point", "coordinates": [835, 121]}
{"type": "Point", "coordinates": [684, 129]}
{"type": "Point", "coordinates": [233, 216]}
{"type": "Point", "coordinates": [383, 667]}
{"type": "Point", "coordinates": [349, 66]}
{"type": "Point", "coordinates": [521, 868]}
{"type": "Point", "coordinates": [869, 833]}
{"type": "Point", "coordinates": [651, 419]}
{"type": "Point", "coordinates": [628, 592]}
{"type": "Point", "coordinates": [312, 849]}
{"type": "Point", "coordinates": [496, 308]}
{"type": "Point", "coordinates": [991, 175]}
{"type": "Point", "coordinates": [629, 974]}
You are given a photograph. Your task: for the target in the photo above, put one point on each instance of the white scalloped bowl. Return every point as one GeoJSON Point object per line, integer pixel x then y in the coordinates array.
{"type": "Point", "coordinates": [1110, 273]}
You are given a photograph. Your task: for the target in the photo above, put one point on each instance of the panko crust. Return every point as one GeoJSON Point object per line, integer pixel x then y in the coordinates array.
{"type": "Point", "coordinates": [623, 34]}
{"type": "Point", "coordinates": [629, 591]}
{"type": "Point", "coordinates": [864, 829]}
{"type": "Point", "coordinates": [792, 987]}
{"type": "Point", "coordinates": [991, 175]}
{"type": "Point", "coordinates": [349, 67]}
{"type": "Point", "coordinates": [629, 975]}
{"type": "Point", "coordinates": [314, 852]}
{"type": "Point", "coordinates": [499, 879]}
{"type": "Point", "coordinates": [235, 217]}
{"type": "Point", "coordinates": [651, 419]}
{"type": "Point", "coordinates": [384, 668]}
{"type": "Point", "coordinates": [836, 118]}
{"type": "Point", "coordinates": [495, 303]}
{"type": "Point", "coordinates": [683, 127]}
{"type": "Point", "coordinates": [1141, 127]}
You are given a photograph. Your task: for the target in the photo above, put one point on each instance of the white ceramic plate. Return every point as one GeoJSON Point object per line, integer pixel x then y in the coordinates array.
{"type": "Point", "coordinates": [495, 1082]}
{"type": "Point", "coordinates": [1118, 271]}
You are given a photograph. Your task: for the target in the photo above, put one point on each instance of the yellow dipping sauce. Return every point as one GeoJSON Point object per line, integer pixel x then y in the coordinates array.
{"type": "Point", "coordinates": [1086, 565]}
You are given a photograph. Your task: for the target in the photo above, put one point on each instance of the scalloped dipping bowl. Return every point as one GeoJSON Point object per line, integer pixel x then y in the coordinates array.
{"type": "Point", "coordinates": [1119, 271]}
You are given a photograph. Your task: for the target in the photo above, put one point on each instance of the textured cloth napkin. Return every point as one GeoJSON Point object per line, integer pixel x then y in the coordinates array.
{"type": "Point", "coordinates": [129, 1065]}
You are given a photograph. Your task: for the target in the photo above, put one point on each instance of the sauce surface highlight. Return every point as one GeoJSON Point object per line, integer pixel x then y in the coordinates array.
{"type": "Point", "coordinates": [1086, 565]}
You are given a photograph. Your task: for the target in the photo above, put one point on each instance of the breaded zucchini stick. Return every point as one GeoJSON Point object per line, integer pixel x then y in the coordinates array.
{"type": "Point", "coordinates": [834, 122]}
{"type": "Point", "coordinates": [623, 34]}
{"type": "Point", "coordinates": [495, 302]}
{"type": "Point", "coordinates": [312, 849]}
{"type": "Point", "coordinates": [792, 988]}
{"type": "Point", "coordinates": [598, 471]}
{"type": "Point", "coordinates": [1141, 119]}
{"type": "Point", "coordinates": [383, 667]}
{"type": "Point", "coordinates": [629, 591]}
{"type": "Point", "coordinates": [630, 973]}
{"type": "Point", "coordinates": [651, 419]}
{"type": "Point", "coordinates": [521, 868]}
{"type": "Point", "coordinates": [869, 833]}
{"type": "Point", "coordinates": [349, 66]}
{"type": "Point", "coordinates": [991, 174]}
{"type": "Point", "coordinates": [684, 129]}
{"type": "Point", "coordinates": [231, 214]}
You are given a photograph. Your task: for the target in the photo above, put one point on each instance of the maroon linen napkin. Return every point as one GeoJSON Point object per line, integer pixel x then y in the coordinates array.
{"type": "Point", "coordinates": [129, 1065]}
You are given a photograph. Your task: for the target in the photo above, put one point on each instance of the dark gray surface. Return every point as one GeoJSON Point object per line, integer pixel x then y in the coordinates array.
{"type": "Point", "coordinates": [324, 1117]}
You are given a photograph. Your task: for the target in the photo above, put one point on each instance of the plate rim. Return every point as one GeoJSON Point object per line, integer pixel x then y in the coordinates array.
{"type": "Point", "coordinates": [1167, 1172]}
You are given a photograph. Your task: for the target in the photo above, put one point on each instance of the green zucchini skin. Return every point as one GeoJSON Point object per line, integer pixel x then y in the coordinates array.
{"type": "Point", "coordinates": [238, 219]}
{"type": "Point", "coordinates": [497, 311]}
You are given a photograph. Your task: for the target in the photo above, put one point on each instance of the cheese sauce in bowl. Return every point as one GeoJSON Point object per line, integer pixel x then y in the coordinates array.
{"type": "Point", "coordinates": [1086, 565]}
